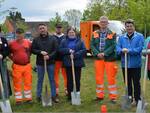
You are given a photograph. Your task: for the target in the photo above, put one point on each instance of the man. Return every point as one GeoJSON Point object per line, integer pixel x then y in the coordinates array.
{"type": "Point", "coordinates": [45, 46]}
{"type": "Point", "coordinates": [20, 50]}
{"type": "Point", "coordinates": [103, 47]}
{"type": "Point", "coordinates": [132, 44]}
{"type": "Point", "coordinates": [58, 64]}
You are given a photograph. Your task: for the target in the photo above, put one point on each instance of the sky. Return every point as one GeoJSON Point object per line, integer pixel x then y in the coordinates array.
{"type": "Point", "coordinates": [42, 10]}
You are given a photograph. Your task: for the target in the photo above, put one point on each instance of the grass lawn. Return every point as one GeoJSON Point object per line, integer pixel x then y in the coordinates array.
{"type": "Point", "coordinates": [87, 95]}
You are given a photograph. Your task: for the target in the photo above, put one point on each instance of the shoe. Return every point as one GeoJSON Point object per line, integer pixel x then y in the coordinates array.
{"type": "Point", "coordinates": [18, 102]}
{"type": "Point", "coordinates": [66, 92]}
{"type": "Point", "coordinates": [114, 101]}
{"type": "Point", "coordinates": [28, 101]}
{"type": "Point", "coordinates": [98, 99]}
{"type": "Point", "coordinates": [55, 99]}
{"type": "Point", "coordinates": [38, 99]}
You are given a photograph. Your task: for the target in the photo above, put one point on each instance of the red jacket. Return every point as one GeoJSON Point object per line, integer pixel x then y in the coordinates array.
{"type": "Point", "coordinates": [20, 51]}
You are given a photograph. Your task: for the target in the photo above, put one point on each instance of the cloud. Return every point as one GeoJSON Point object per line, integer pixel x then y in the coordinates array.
{"type": "Point", "coordinates": [33, 10]}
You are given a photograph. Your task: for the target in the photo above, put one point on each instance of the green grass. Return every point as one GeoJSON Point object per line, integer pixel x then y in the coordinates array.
{"type": "Point", "coordinates": [87, 95]}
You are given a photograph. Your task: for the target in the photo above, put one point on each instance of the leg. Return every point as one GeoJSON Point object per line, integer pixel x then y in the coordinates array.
{"type": "Point", "coordinates": [28, 82]}
{"type": "Point", "coordinates": [99, 69]}
{"type": "Point", "coordinates": [56, 75]}
{"type": "Point", "coordinates": [136, 73]}
{"type": "Point", "coordinates": [40, 71]}
{"type": "Point", "coordinates": [111, 71]}
{"type": "Point", "coordinates": [17, 81]}
{"type": "Point", "coordinates": [64, 77]}
{"type": "Point", "coordinates": [78, 77]}
{"type": "Point", "coordinates": [69, 81]}
{"type": "Point", "coordinates": [50, 70]}
{"type": "Point", "coordinates": [129, 80]}
{"type": "Point", "coordinates": [148, 74]}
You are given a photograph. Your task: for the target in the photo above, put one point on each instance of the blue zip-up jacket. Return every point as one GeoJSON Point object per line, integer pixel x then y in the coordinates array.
{"type": "Point", "coordinates": [80, 52]}
{"type": "Point", "coordinates": [135, 46]}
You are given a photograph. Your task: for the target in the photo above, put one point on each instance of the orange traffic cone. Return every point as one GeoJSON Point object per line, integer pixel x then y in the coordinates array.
{"type": "Point", "coordinates": [103, 109]}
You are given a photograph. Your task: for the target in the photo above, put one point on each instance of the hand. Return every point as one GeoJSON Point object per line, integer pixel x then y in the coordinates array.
{"type": "Point", "coordinates": [100, 55]}
{"type": "Point", "coordinates": [125, 50]}
{"type": "Point", "coordinates": [44, 53]}
{"type": "Point", "coordinates": [46, 57]}
{"type": "Point", "coordinates": [1, 56]}
{"type": "Point", "coordinates": [72, 56]}
{"type": "Point", "coordinates": [71, 51]}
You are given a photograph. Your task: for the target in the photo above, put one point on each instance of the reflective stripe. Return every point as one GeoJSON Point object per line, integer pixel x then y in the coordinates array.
{"type": "Point", "coordinates": [100, 86]}
{"type": "Point", "coordinates": [18, 97]}
{"type": "Point", "coordinates": [27, 92]}
{"type": "Point", "coordinates": [113, 92]}
{"type": "Point", "coordinates": [99, 91]}
{"type": "Point", "coordinates": [27, 96]}
{"type": "Point", "coordinates": [112, 86]}
{"type": "Point", "coordinates": [18, 93]}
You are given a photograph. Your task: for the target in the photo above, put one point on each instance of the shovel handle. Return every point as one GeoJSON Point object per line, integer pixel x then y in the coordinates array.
{"type": "Point", "coordinates": [73, 72]}
{"type": "Point", "coordinates": [126, 71]}
{"type": "Point", "coordinates": [145, 75]}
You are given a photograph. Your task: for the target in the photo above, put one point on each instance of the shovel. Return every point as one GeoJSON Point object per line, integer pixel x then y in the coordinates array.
{"type": "Point", "coordinates": [142, 105]}
{"type": "Point", "coordinates": [126, 102]}
{"type": "Point", "coordinates": [4, 104]}
{"type": "Point", "coordinates": [75, 96]}
{"type": "Point", "coordinates": [46, 98]}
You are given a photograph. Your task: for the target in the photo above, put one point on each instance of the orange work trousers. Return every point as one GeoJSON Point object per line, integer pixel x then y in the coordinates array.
{"type": "Point", "coordinates": [22, 75]}
{"type": "Point", "coordinates": [58, 67]}
{"type": "Point", "coordinates": [111, 71]}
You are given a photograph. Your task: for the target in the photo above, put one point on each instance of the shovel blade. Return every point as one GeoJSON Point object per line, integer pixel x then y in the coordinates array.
{"type": "Point", "coordinates": [141, 107]}
{"type": "Point", "coordinates": [125, 102]}
{"type": "Point", "coordinates": [46, 101]}
{"type": "Point", "coordinates": [5, 107]}
{"type": "Point", "coordinates": [75, 98]}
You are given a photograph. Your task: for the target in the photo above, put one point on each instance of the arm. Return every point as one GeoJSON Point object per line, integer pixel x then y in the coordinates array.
{"type": "Point", "coordinates": [93, 48]}
{"type": "Point", "coordinates": [63, 49]}
{"type": "Point", "coordinates": [119, 47]}
{"type": "Point", "coordinates": [5, 48]}
{"type": "Point", "coordinates": [81, 53]}
{"type": "Point", "coordinates": [34, 48]}
{"type": "Point", "coordinates": [137, 50]}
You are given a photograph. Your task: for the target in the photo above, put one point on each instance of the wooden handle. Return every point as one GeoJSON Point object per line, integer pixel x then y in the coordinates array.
{"type": "Point", "coordinates": [73, 73]}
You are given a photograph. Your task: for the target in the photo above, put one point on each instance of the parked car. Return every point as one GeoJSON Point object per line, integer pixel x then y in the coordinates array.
{"type": "Point", "coordinates": [10, 36]}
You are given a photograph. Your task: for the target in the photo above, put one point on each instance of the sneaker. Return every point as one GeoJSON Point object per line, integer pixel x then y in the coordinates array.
{"type": "Point", "coordinates": [38, 99]}
{"type": "Point", "coordinates": [98, 99]}
{"type": "Point", "coordinates": [55, 99]}
{"type": "Point", "coordinates": [18, 102]}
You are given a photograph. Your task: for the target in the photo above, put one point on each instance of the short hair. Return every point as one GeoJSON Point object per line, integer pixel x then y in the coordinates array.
{"type": "Point", "coordinates": [42, 24]}
{"type": "Point", "coordinates": [103, 17]}
{"type": "Point", "coordinates": [19, 31]}
{"type": "Point", "coordinates": [129, 21]}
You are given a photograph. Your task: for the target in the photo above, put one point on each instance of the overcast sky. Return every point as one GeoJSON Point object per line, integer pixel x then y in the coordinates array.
{"type": "Point", "coordinates": [43, 10]}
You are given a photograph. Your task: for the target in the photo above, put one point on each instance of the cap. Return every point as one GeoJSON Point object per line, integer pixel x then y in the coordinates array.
{"type": "Point", "coordinates": [19, 30]}
{"type": "Point", "coordinates": [58, 25]}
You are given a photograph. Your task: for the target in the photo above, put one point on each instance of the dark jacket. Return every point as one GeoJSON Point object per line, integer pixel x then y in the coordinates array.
{"type": "Point", "coordinates": [4, 49]}
{"type": "Point", "coordinates": [48, 44]}
{"type": "Point", "coordinates": [109, 48]}
{"type": "Point", "coordinates": [79, 53]}
{"type": "Point", "coordinates": [59, 39]}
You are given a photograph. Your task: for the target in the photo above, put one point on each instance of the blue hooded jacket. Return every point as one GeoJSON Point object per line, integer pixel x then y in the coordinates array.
{"type": "Point", "coordinates": [135, 46]}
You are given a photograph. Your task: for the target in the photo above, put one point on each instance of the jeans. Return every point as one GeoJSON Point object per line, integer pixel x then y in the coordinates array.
{"type": "Point", "coordinates": [41, 73]}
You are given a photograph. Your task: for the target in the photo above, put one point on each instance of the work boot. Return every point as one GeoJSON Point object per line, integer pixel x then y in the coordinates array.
{"type": "Point", "coordinates": [18, 102]}
{"type": "Point", "coordinates": [38, 99]}
{"type": "Point", "coordinates": [55, 99]}
{"type": "Point", "coordinates": [114, 101]}
{"type": "Point", "coordinates": [28, 101]}
{"type": "Point", "coordinates": [98, 99]}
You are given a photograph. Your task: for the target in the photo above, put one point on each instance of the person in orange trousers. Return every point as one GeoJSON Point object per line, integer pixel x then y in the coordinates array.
{"type": "Point", "coordinates": [21, 68]}
{"type": "Point", "coordinates": [58, 63]}
{"type": "Point", "coordinates": [103, 45]}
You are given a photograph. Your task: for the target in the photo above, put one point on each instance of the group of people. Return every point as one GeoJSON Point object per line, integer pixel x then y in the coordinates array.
{"type": "Point", "coordinates": [58, 49]}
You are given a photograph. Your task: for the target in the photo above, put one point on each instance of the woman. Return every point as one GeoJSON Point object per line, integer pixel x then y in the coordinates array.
{"type": "Point", "coordinates": [4, 52]}
{"type": "Point", "coordinates": [72, 46]}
